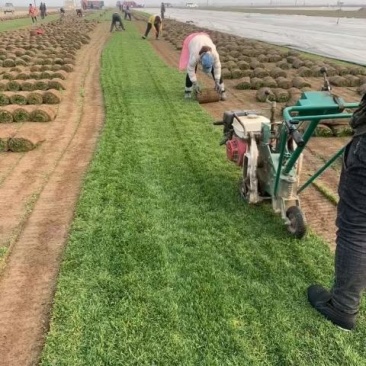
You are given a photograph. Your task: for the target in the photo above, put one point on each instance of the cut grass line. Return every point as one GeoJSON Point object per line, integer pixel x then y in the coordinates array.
{"type": "Point", "coordinates": [326, 193]}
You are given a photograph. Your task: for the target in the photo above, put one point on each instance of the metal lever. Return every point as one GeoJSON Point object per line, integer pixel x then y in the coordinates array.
{"type": "Point", "coordinates": [326, 85]}
{"type": "Point", "coordinates": [295, 134]}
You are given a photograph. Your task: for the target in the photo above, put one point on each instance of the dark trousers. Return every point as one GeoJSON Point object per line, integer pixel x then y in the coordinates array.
{"type": "Point", "coordinates": [189, 82]}
{"type": "Point", "coordinates": [350, 257]}
{"type": "Point", "coordinates": [127, 15]}
{"type": "Point", "coordinates": [115, 23]}
{"type": "Point", "coordinates": [148, 29]}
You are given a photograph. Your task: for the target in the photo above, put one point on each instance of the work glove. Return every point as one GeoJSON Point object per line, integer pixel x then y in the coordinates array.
{"type": "Point", "coordinates": [218, 87]}
{"type": "Point", "coordinates": [196, 88]}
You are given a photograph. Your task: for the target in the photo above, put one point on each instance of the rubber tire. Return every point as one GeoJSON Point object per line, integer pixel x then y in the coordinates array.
{"type": "Point", "coordinates": [242, 186]}
{"type": "Point", "coordinates": [298, 225]}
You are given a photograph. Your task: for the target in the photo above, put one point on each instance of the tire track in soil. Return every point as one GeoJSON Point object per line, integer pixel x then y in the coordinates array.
{"type": "Point", "coordinates": [320, 213]}
{"type": "Point", "coordinates": [48, 179]}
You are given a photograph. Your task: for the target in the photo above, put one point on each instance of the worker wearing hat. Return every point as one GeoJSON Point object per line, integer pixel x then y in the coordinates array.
{"type": "Point", "coordinates": [198, 48]}
{"type": "Point", "coordinates": [154, 22]}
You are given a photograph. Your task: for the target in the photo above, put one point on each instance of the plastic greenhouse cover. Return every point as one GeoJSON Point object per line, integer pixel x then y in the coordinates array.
{"type": "Point", "coordinates": [343, 38]}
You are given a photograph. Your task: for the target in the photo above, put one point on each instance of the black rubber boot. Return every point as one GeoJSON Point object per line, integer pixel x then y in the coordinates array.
{"type": "Point", "coordinates": [321, 299]}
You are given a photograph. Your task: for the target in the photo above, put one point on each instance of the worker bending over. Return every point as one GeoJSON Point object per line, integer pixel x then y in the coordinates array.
{"type": "Point", "coordinates": [154, 21]}
{"type": "Point", "coordinates": [198, 48]}
{"type": "Point", "coordinates": [116, 18]}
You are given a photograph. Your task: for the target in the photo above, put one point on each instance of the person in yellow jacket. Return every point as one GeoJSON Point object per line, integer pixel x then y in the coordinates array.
{"type": "Point", "coordinates": [154, 21]}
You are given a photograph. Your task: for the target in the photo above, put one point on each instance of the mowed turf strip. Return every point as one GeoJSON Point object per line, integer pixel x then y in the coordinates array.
{"type": "Point", "coordinates": [165, 265]}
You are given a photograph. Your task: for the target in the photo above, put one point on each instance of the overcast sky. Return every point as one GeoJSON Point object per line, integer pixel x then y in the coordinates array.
{"type": "Point", "coordinates": [151, 3]}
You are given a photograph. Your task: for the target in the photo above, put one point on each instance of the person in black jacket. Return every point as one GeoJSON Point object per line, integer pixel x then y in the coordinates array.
{"type": "Point", "coordinates": [341, 304]}
{"type": "Point", "coordinates": [127, 13]}
{"type": "Point", "coordinates": [43, 10]}
{"type": "Point", "coordinates": [116, 19]}
{"type": "Point", "coordinates": [162, 10]}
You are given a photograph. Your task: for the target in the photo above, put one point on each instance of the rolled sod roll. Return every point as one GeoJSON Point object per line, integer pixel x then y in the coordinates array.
{"type": "Point", "coordinates": [260, 72]}
{"type": "Point", "coordinates": [67, 67]}
{"type": "Point", "coordinates": [61, 74]}
{"type": "Point", "coordinates": [4, 99]}
{"type": "Point", "coordinates": [5, 116]}
{"type": "Point", "coordinates": [18, 98]}
{"type": "Point", "coordinates": [226, 73]}
{"type": "Point", "coordinates": [3, 144]}
{"type": "Point", "coordinates": [270, 82]}
{"type": "Point", "coordinates": [281, 95]}
{"type": "Point", "coordinates": [21, 115]}
{"type": "Point", "coordinates": [41, 85]}
{"type": "Point", "coordinates": [353, 80]}
{"type": "Point", "coordinates": [43, 114]}
{"type": "Point", "coordinates": [284, 83]}
{"type": "Point", "coordinates": [3, 85]}
{"type": "Point", "coordinates": [52, 96]}
{"type": "Point", "coordinates": [256, 83]}
{"type": "Point", "coordinates": [20, 143]}
{"type": "Point", "coordinates": [35, 98]}
{"type": "Point", "coordinates": [35, 75]}
{"type": "Point", "coordinates": [299, 82]}
{"type": "Point", "coordinates": [56, 67]}
{"type": "Point", "coordinates": [277, 72]}
{"type": "Point", "coordinates": [243, 83]}
{"type": "Point", "coordinates": [361, 89]}
{"type": "Point", "coordinates": [18, 113]}
{"type": "Point", "coordinates": [13, 85]}
{"type": "Point", "coordinates": [338, 81]}
{"type": "Point", "coordinates": [305, 71]}
{"type": "Point", "coordinates": [27, 85]}
{"type": "Point", "coordinates": [57, 84]}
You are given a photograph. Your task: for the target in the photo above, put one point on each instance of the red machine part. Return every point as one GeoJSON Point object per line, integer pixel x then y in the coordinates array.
{"type": "Point", "coordinates": [235, 150]}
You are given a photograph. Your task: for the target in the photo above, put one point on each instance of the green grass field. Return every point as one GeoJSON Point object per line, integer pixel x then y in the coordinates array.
{"type": "Point", "coordinates": [9, 25]}
{"type": "Point", "coordinates": [165, 264]}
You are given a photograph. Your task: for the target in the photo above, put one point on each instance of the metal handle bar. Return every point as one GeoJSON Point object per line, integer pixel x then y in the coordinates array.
{"type": "Point", "coordinates": [329, 108]}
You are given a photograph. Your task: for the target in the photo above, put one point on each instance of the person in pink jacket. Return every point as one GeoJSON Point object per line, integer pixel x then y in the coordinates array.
{"type": "Point", "coordinates": [198, 49]}
{"type": "Point", "coordinates": [32, 12]}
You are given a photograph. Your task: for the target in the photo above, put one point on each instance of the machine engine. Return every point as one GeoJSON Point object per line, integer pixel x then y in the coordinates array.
{"type": "Point", "coordinates": [235, 150]}
{"type": "Point", "coordinates": [238, 126]}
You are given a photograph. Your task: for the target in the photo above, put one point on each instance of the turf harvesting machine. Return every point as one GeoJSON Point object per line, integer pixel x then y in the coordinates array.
{"type": "Point", "coordinates": [270, 153]}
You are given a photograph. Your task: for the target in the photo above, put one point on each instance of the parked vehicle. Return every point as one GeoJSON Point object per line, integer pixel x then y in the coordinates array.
{"type": "Point", "coordinates": [9, 8]}
{"type": "Point", "coordinates": [191, 5]}
{"type": "Point", "coordinates": [92, 4]}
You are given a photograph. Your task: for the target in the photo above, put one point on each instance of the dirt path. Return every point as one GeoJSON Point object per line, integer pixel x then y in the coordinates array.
{"type": "Point", "coordinates": [38, 193]}
{"type": "Point", "coordinates": [319, 211]}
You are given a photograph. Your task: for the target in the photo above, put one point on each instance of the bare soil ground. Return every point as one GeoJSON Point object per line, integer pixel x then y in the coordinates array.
{"type": "Point", "coordinates": [320, 212]}
{"type": "Point", "coordinates": [38, 193]}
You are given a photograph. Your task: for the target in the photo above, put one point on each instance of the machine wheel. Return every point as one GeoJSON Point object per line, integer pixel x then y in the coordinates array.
{"type": "Point", "coordinates": [297, 225]}
{"type": "Point", "coordinates": [249, 182]}
{"type": "Point", "coordinates": [244, 181]}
